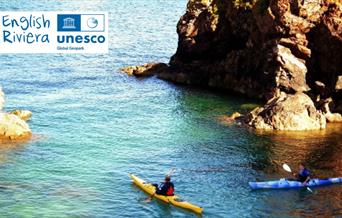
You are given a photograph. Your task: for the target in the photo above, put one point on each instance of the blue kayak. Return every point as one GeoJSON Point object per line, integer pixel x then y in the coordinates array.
{"type": "Point", "coordinates": [287, 184]}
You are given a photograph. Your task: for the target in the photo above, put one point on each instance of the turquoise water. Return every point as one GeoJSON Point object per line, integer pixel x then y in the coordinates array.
{"type": "Point", "coordinates": [93, 125]}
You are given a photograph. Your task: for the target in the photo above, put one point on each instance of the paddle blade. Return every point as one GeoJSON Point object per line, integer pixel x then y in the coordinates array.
{"type": "Point", "coordinates": [287, 168]}
{"type": "Point", "coordinates": [309, 189]}
{"type": "Point", "coordinates": [171, 172]}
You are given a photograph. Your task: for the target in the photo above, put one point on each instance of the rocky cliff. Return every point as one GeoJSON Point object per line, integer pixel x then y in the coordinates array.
{"type": "Point", "coordinates": [278, 50]}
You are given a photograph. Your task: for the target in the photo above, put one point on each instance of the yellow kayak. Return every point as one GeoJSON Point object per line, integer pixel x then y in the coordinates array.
{"type": "Point", "coordinates": [174, 200]}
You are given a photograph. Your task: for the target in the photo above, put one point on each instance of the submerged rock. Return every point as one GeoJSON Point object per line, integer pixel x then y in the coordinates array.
{"type": "Point", "coordinates": [287, 112]}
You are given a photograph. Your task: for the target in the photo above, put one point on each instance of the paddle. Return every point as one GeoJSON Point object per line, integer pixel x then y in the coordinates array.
{"type": "Point", "coordinates": [287, 168]}
{"type": "Point", "coordinates": [171, 171]}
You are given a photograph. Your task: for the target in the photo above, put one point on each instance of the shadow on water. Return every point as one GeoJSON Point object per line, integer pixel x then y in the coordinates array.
{"type": "Point", "coordinates": [320, 150]}
{"type": "Point", "coordinates": [8, 146]}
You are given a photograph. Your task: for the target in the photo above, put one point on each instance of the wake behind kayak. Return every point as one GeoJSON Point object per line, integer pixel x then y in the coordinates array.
{"type": "Point", "coordinates": [288, 184]}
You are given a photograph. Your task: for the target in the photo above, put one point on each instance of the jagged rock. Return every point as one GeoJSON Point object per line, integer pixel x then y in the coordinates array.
{"type": "Point", "coordinates": [325, 105]}
{"type": "Point", "coordinates": [331, 117]}
{"type": "Point", "coordinates": [291, 74]}
{"type": "Point", "coordinates": [230, 119]}
{"type": "Point", "coordinates": [145, 70]}
{"type": "Point", "coordinates": [22, 114]}
{"type": "Point", "coordinates": [256, 50]}
{"type": "Point", "coordinates": [274, 45]}
{"type": "Point", "coordinates": [287, 112]}
{"type": "Point", "coordinates": [338, 85]}
{"type": "Point", "coordinates": [325, 63]}
{"type": "Point", "coordinates": [260, 47]}
{"type": "Point", "coordinates": [13, 127]}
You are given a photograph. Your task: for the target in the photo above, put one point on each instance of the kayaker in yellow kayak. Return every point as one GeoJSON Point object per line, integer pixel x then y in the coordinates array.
{"type": "Point", "coordinates": [166, 188]}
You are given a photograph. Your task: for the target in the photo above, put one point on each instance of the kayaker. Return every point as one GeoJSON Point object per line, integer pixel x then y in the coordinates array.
{"type": "Point", "coordinates": [166, 188]}
{"type": "Point", "coordinates": [303, 175]}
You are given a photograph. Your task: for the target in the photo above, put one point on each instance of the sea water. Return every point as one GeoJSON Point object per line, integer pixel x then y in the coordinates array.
{"type": "Point", "coordinates": [93, 126]}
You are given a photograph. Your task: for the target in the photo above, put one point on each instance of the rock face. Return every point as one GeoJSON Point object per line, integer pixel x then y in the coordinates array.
{"type": "Point", "coordinates": [287, 112]}
{"type": "Point", "coordinates": [13, 125]}
{"type": "Point", "coordinates": [261, 48]}
{"type": "Point", "coordinates": [272, 44]}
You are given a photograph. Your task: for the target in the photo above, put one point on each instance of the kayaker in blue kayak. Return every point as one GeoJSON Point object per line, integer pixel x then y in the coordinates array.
{"type": "Point", "coordinates": [166, 188]}
{"type": "Point", "coordinates": [303, 175]}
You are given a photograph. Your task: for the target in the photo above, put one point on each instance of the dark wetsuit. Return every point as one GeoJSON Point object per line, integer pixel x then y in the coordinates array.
{"type": "Point", "coordinates": [166, 188]}
{"type": "Point", "coordinates": [303, 175]}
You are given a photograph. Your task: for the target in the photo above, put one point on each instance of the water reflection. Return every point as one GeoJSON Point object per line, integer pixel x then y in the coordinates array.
{"type": "Point", "coordinates": [321, 150]}
{"type": "Point", "coordinates": [8, 146]}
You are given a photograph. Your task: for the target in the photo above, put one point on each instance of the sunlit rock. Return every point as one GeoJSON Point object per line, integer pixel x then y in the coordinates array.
{"type": "Point", "coordinates": [145, 70]}
{"type": "Point", "coordinates": [225, 119]}
{"type": "Point", "coordinates": [23, 114]}
{"type": "Point", "coordinates": [331, 117]}
{"type": "Point", "coordinates": [13, 127]}
{"type": "Point", "coordinates": [287, 112]}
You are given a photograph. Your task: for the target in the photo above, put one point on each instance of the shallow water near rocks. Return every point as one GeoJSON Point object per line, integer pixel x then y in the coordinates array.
{"type": "Point", "coordinates": [94, 125]}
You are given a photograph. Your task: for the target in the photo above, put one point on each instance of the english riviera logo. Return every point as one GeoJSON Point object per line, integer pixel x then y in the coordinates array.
{"type": "Point", "coordinates": [53, 32]}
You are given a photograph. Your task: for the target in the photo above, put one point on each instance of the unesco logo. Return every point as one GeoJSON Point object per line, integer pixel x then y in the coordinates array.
{"type": "Point", "coordinates": [80, 22]}
{"type": "Point", "coordinates": [70, 27]}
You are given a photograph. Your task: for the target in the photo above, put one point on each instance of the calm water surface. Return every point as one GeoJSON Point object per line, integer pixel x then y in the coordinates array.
{"type": "Point", "coordinates": [94, 125]}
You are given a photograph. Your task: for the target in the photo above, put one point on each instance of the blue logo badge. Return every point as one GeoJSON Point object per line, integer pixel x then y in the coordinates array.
{"type": "Point", "coordinates": [68, 22]}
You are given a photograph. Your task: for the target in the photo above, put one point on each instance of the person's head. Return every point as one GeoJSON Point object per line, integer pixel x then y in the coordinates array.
{"type": "Point", "coordinates": [301, 166]}
{"type": "Point", "coordinates": [167, 178]}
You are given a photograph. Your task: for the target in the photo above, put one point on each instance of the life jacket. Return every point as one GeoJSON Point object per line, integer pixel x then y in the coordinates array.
{"type": "Point", "coordinates": [170, 191]}
{"type": "Point", "coordinates": [303, 175]}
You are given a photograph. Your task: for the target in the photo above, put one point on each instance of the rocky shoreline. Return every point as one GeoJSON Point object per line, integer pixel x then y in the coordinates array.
{"type": "Point", "coordinates": [287, 52]}
{"type": "Point", "coordinates": [13, 125]}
